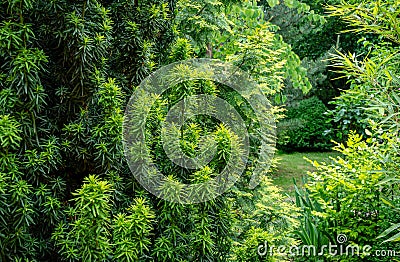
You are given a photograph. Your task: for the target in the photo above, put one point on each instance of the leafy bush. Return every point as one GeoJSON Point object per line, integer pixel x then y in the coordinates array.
{"type": "Point", "coordinates": [349, 113]}
{"type": "Point", "coordinates": [353, 193]}
{"type": "Point", "coordinates": [373, 79]}
{"type": "Point", "coordinates": [305, 127]}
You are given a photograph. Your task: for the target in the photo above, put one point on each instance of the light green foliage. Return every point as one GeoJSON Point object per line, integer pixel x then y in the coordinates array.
{"type": "Point", "coordinates": [378, 17]}
{"type": "Point", "coordinates": [200, 21]}
{"type": "Point", "coordinates": [132, 232]}
{"type": "Point", "coordinates": [350, 191]}
{"type": "Point", "coordinates": [181, 50]}
{"type": "Point", "coordinates": [267, 216]}
{"type": "Point", "coordinates": [252, 45]}
{"type": "Point", "coordinates": [375, 76]}
{"type": "Point", "coordinates": [10, 133]}
{"type": "Point", "coordinates": [93, 234]}
{"type": "Point", "coordinates": [86, 237]}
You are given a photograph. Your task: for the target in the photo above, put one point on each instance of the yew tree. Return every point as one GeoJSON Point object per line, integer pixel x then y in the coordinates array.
{"type": "Point", "coordinates": [67, 70]}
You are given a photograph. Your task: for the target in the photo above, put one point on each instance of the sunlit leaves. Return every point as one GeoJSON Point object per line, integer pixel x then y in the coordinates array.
{"type": "Point", "coordinates": [87, 236]}
{"type": "Point", "coordinates": [14, 36]}
{"type": "Point", "coordinates": [351, 188]}
{"type": "Point", "coordinates": [250, 43]}
{"type": "Point", "coordinates": [378, 17]}
{"type": "Point", "coordinates": [96, 234]}
{"type": "Point", "coordinates": [10, 133]}
{"type": "Point", "coordinates": [200, 21]}
{"type": "Point", "coordinates": [373, 76]}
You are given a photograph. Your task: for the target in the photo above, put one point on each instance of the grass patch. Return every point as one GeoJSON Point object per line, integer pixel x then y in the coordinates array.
{"type": "Point", "coordinates": [293, 165]}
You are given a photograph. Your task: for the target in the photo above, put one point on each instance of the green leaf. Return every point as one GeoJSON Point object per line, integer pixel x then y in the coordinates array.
{"type": "Point", "coordinates": [273, 3]}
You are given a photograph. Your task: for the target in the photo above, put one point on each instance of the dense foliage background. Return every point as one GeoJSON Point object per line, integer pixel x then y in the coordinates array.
{"type": "Point", "coordinates": [68, 68]}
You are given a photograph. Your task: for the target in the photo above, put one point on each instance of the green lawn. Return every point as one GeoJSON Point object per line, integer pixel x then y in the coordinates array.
{"type": "Point", "coordinates": [293, 165]}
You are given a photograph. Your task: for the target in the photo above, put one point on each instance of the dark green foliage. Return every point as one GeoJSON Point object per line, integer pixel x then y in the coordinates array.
{"type": "Point", "coordinates": [295, 22]}
{"type": "Point", "coordinates": [305, 127]}
{"type": "Point", "coordinates": [60, 118]}
{"type": "Point", "coordinates": [67, 69]}
{"type": "Point", "coordinates": [319, 77]}
{"type": "Point", "coordinates": [317, 42]}
{"type": "Point", "coordinates": [312, 230]}
{"type": "Point", "coordinates": [349, 113]}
